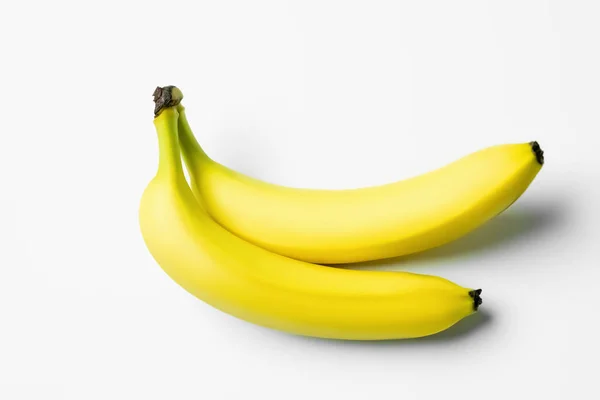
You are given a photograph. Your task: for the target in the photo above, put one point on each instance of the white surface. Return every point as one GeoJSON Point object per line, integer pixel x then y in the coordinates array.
{"type": "Point", "coordinates": [325, 94]}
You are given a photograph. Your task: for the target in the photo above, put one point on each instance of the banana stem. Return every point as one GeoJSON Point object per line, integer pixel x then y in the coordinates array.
{"type": "Point", "coordinates": [169, 157]}
{"type": "Point", "coordinates": [171, 96]}
{"type": "Point", "coordinates": [190, 148]}
{"type": "Point", "coordinates": [166, 100]}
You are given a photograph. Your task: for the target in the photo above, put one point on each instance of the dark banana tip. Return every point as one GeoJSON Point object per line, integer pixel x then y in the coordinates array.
{"type": "Point", "coordinates": [475, 295]}
{"type": "Point", "coordinates": [166, 96]}
{"type": "Point", "coordinates": [537, 150]}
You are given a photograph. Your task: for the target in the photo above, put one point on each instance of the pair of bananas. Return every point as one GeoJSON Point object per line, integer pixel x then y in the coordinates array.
{"type": "Point", "coordinates": [249, 248]}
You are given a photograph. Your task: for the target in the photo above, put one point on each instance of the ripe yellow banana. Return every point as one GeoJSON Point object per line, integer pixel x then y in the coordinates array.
{"type": "Point", "coordinates": [274, 291]}
{"type": "Point", "coordinates": [342, 226]}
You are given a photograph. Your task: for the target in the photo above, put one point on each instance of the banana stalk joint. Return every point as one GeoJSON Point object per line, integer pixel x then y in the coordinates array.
{"type": "Point", "coordinates": [165, 97]}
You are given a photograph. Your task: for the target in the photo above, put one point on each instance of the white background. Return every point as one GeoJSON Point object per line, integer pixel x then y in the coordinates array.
{"type": "Point", "coordinates": [327, 94]}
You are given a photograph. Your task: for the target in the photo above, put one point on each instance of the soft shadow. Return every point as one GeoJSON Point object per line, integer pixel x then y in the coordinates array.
{"type": "Point", "coordinates": [515, 224]}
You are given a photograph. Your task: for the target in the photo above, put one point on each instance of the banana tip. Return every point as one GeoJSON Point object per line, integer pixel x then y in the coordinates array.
{"type": "Point", "coordinates": [537, 150]}
{"type": "Point", "coordinates": [475, 295]}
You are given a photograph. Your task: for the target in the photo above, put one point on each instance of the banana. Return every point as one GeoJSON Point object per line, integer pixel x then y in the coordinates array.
{"type": "Point", "coordinates": [274, 291]}
{"type": "Point", "coordinates": [344, 226]}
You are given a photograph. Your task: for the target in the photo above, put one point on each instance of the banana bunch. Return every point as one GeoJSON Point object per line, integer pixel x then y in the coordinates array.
{"type": "Point", "coordinates": [249, 248]}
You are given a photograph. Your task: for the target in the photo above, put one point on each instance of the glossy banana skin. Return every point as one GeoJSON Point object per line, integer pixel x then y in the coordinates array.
{"type": "Point", "coordinates": [274, 291]}
{"type": "Point", "coordinates": [344, 226]}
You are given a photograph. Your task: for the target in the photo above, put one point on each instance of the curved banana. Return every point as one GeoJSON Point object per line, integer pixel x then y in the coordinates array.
{"type": "Point", "coordinates": [271, 290]}
{"type": "Point", "coordinates": [343, 226]}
